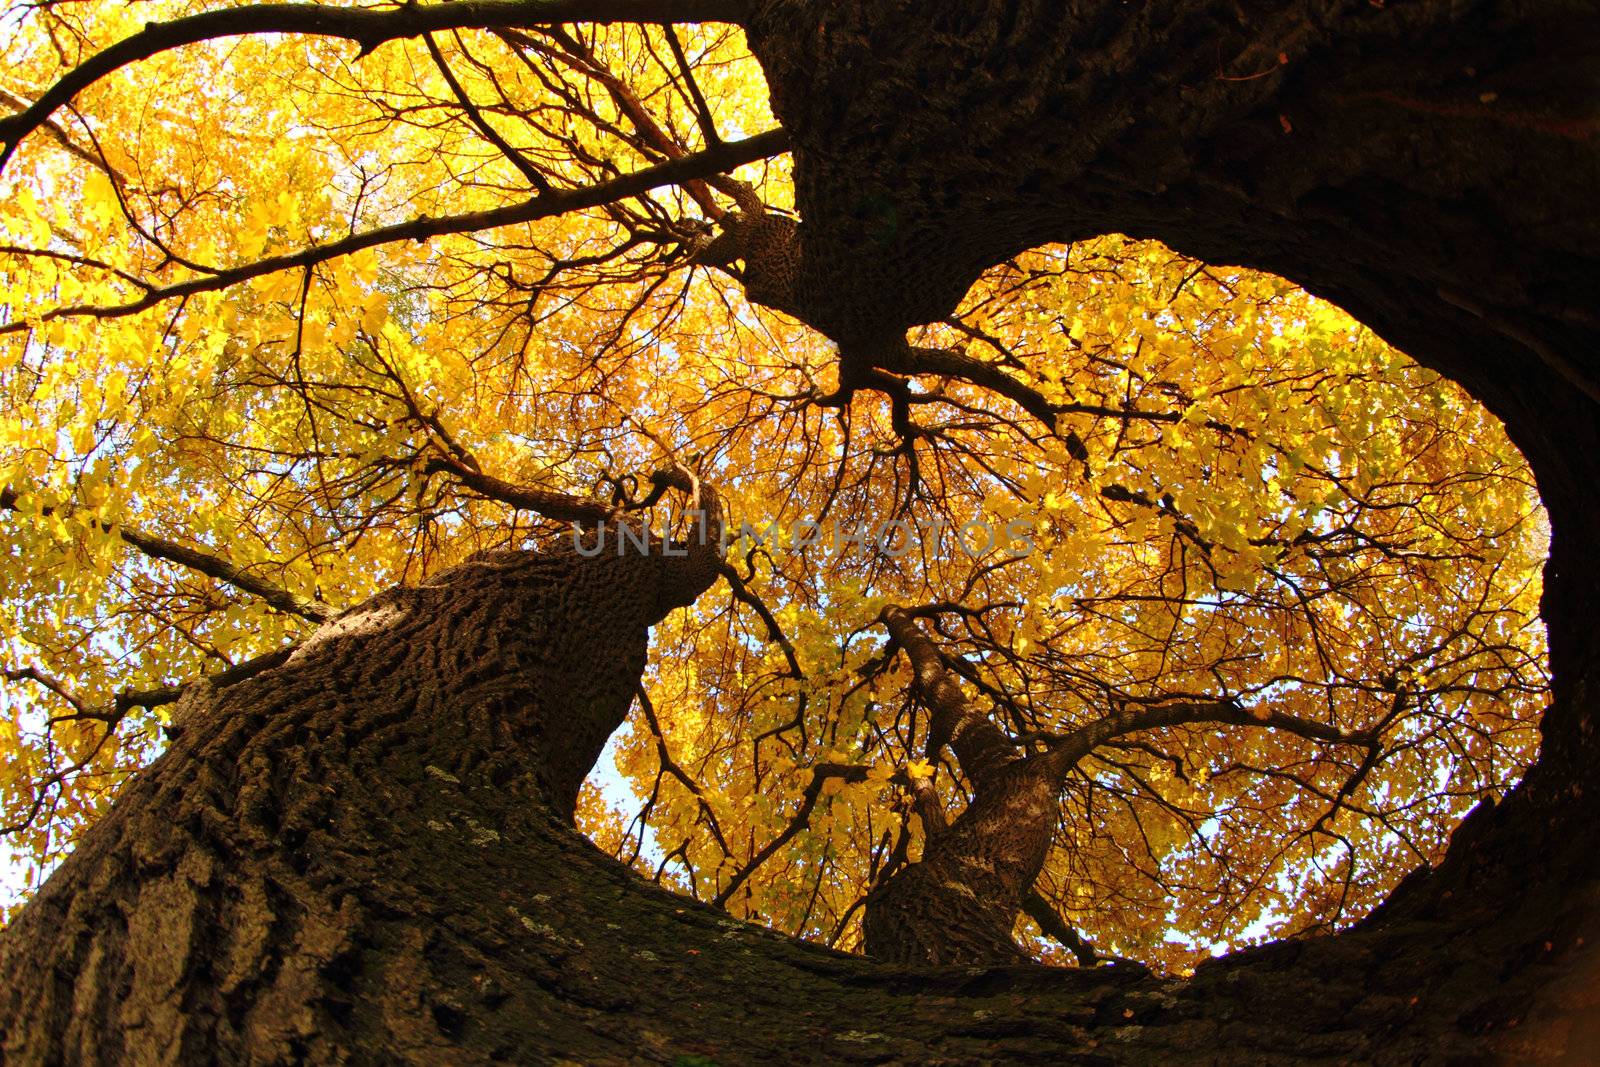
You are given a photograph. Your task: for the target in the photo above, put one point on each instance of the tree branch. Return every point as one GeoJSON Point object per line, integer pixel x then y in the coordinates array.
{"type": "Point", "coordinates": [536, 179]}
{"type": "Point", "coordinates": [367, 27]}
{"type": "Point", "coordinates": [672, 767]}
{"type": "Point", "coordinates": [698, 165]}
{"type": "Point", "coordinates": [802, 818]}
{"type": "Point", "coordinates": [562, 507]}
{"type": "Point", "coordinates": [223, 571]}
{"type": "Point", "coordinates": [702, 110]}
{"type": "Point", "coordinates": [951, 364]}
{"type": "Point", "coordinates": [38, 677]}
{"type": "Point", "coordinates": [1054, 927]}
{"type": "Point", "coordinates": [948, 363]}
{"type": "Point", "coordinates": [113, 715]}
{"type": "Point", "coordinates": [775, 634]}
{"type": "Point", "coordinates": [209, 565]}
{"type": "Point", "coordinates": [980, 745]}
{"type": "Point", "coordinates": [1066, 751]}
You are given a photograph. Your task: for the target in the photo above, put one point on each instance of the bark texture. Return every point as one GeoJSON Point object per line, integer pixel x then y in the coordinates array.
{"type": "Point", "coordinates": [361, 856]}
{"type": "Point", "coordinates": [1426, 165]}
{"type": "Point", "coordinates": [959, 904]}
{"type": "Point", "coordinates": [271, 887]}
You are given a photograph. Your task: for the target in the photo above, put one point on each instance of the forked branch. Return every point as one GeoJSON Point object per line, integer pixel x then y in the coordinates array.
{"type": "Point", "coordinates": [723, 157]}
{"type": "Point", "coordinates": [367, 27]}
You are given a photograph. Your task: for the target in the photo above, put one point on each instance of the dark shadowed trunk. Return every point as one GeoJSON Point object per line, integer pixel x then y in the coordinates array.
{"type": "Point", "coordinates": [1426, 165]}
{"type": "Point", "coordinates": [363, 854]}
{"type": "Point", "coordinates": [280, 884]}
{"type": "Point", "coordinates": [961, 902]}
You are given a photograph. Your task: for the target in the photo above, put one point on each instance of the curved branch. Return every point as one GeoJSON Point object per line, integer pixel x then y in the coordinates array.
{"type": "Point", "coordinates": [1055, 927]}
{"type": "Point", "coordinates": [209, 565]}
{"type": "Point", "coordinates": [367, 27]}
{"type": "Point", "coordinates": [562, 507]}
{"type": "Point", "coordinates": [1067, 750]}
{"type": "Point", "coordinates": [700, 551]}
{"type": "Point", "coordinates": [546, 205]}
{"type": "Point", "coordinates": [223, 571]}
{"type": "Point", "coordinates": [744, 595]}
{"type": "Point", "coordinates": [672, 767]}
{"type": "Point", "coordinates": [982, 748]}
{"type": "Point", "coordinates": [113, 715]}
{"type": "Point", "coordinates": [523, 164]}
{"type": "Point", "coordinates": [56, 686]}
{"type": "Point", "coordinates": [948, 363]}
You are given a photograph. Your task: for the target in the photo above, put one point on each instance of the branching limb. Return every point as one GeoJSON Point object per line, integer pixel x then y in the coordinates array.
{"type": "Point", "coordinates": [1039, 910]}
{"type": "Point", "coordinates": [980, 745]}
{"type": "Point", "coordinates": [62, 137]}
{"type": "Point", "coordinates": [112, 715]}
{"type": "Point", "coordinates": [368, 27]}
{"type": "Point", "coordinates": [698, 165]}
{"type": "Point", "coordinates": [952, 364]}
{"type": "Point", "coordinates": [562, 507]}
{"type": "Point", "coordinates": [672, 767]}
{"type": "Point", "coordinates": [223, 571]}
{"type": "Point", "coordinates": [948, 363]}
{"type": "Point", "coordinates": [1066, 751]}
{"type": "Point", "coordinates": [535, 177]}
{"type": "Point", "coordinates": [743, 594]}
{"type": "Point", "coordinates": [204, 563]}
{"type": "Point", "coordinates": [702, 110]}
{"type": "Point", "coordinates": [59, 688]}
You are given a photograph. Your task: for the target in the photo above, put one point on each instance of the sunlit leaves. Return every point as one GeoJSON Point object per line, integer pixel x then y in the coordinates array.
{"type": "Point", "coordinates": [1243, 494]}
{"type": "Point", "coordinates": [1275, 509]}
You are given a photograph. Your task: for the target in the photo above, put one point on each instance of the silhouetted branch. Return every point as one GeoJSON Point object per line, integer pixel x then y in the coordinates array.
{"type": "Point", "coordinates": [367, 27]}
{"type": "Point", "coordinates": [209, 565]}
{"type": "Point", "coordinates": [545, 205]}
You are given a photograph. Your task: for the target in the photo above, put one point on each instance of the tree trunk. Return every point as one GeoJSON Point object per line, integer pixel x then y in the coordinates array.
{"type": "Point", "coordinates": [362, 855]}
{"type": "Point", "coordinates": [282, 883]}
{"type": "Point", "coordinates": [960, 904]}
{"type": "Point", "coordinates": [1430, 166]}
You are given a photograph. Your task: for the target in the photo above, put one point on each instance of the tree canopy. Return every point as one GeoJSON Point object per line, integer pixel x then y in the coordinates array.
{"type": "Point", "coordinates": [293, 309]}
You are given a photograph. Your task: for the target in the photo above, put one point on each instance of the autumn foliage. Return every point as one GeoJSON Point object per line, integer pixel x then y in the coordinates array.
{"type": "Point", "coordinates": [282, 325]}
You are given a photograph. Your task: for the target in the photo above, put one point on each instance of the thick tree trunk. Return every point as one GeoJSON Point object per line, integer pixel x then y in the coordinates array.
{"type": "Point", "coordinates": [960, 903]}
{"type": "Point", "coordinates": [1430, 166]}
{"type": "Point", "coordinates": [361, 855]}
{"type": "Point", "coordinates": [283, 883]}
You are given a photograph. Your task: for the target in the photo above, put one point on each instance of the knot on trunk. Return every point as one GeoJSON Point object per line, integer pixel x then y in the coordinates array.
{"type": "Point", "coordinates": [768, 246]}
{"type": "Point", "coordinates": [691, 566]}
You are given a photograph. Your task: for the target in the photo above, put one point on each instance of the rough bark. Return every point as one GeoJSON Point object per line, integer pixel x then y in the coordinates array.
{"type": "Point", "coordinates": [959, 903]}
{"type": "Point", "coordinates": [359, 856]}
{"type": "Point", "coordinates": [268, 889]}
